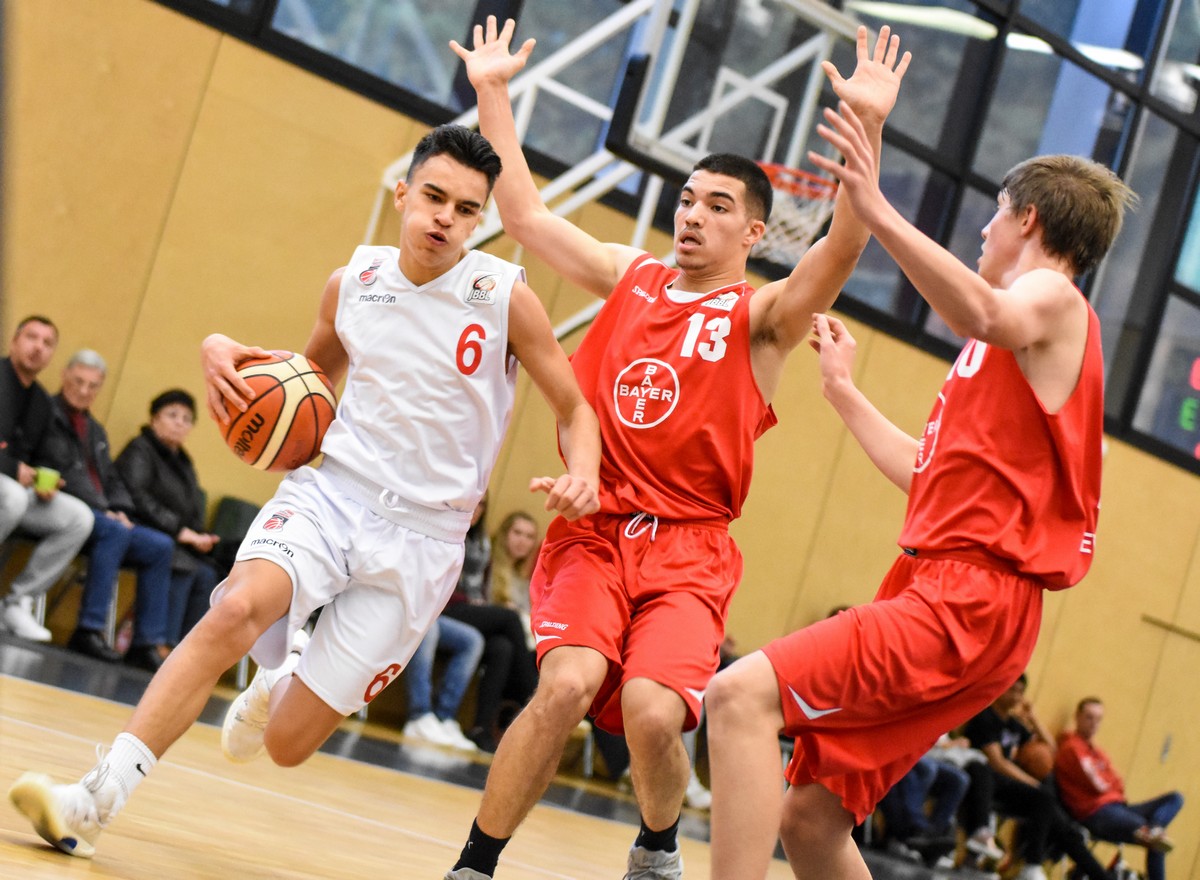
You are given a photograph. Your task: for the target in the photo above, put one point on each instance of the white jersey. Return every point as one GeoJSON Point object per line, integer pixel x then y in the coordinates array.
{"type": "Point", "coordinates": [429, 390]}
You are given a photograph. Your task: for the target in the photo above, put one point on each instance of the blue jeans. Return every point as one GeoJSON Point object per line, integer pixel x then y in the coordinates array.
{"type": "Point", "coordinates": [150, 552]}
{"type": "Point", "coordinates": [905, 804]}
{"type": "Point", "coordinates": [190, 591]}
{"type": "Point", "coordinates": [464, 644]}
{"type": "Point", "coordinates": [1117, 823]}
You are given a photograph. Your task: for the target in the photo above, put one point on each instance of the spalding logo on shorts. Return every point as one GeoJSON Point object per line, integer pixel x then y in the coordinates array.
{"type": "Point", "coordinates": [367, 276]}
{"type": "Point", "coordinates": [278, 520]}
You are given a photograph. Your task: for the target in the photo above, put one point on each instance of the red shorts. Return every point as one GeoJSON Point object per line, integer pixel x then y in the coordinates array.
{"type": "Point", "coordinates": [654, 604]}
{"type": "Point", "coordinates": [868, 692]}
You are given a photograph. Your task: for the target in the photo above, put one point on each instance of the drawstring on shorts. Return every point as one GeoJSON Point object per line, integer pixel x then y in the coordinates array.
{"type": "Point", "coordinates": [639, 523]}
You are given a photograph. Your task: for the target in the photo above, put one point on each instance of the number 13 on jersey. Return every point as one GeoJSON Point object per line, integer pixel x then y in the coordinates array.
{"type": "Point", "coordinates": [713, 348]}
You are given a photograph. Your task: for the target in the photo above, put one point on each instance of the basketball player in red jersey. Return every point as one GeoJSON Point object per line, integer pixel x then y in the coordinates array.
{"type": "Point", "coordinates": [1003, 494]}
{"type": "Point", "coordinates": [629, 605]}
{"type": "Point", "coordinates": [427, 337]}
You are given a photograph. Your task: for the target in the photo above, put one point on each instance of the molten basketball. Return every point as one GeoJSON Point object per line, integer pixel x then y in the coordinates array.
{"type": "Point", "coordinates": [284, 424]}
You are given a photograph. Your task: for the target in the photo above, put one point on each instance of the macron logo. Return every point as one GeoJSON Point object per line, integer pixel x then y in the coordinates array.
{"type": "Point", "coordinates": [809, 712]}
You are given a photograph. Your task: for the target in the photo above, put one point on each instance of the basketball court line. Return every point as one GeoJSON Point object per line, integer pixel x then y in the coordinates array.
{"type": "Point", "coordinates": [452, 847]}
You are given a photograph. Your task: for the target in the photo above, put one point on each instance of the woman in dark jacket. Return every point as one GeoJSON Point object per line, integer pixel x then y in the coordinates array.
{"type": "Point", "coordinates": [167, 496]}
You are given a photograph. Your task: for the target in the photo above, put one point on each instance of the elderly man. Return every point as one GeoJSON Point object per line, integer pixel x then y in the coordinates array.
{"type": "Point", "coordinates": [1094, 793]}
{"type": "Point", "coordinates": [59, 522]}
{"type": "Point", "coordinates": [77, 445]}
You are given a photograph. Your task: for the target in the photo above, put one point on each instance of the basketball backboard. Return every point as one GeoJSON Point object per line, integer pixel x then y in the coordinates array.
{"type": "Point", "coordinates": [743, 77]}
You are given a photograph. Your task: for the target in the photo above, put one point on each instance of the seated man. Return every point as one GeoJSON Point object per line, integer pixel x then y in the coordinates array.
{"type": "Point", "coordinates": [999, 731]}
{"type": "Point", "coordinates": [1094, 793]}
{"type": "Point", "coordinates": [60, 522]}
{"type": "Point", "coordinates": [77, 445]}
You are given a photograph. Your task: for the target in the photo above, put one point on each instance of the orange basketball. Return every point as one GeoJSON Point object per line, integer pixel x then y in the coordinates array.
{"type": "Point", "coordinates": [284, 424]}
{"type": "Point", "coordinates": [1036, 758]}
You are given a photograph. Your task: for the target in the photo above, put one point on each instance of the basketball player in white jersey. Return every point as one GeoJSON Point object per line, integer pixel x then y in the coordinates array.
{"type": "Point", "coordinates": [427, 337]}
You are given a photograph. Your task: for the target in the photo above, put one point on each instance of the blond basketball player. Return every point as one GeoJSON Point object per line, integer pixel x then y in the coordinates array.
{"type": "Point", "coordinates": [427, 337]}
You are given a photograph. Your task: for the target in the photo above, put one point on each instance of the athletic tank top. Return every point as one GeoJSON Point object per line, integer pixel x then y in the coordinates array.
{"type": "Point", "coordinates": [996, 472]}
{"type": "Point", "coordinates": [429, 389]}
{"type": "Point", "coordinates": [669, 376]}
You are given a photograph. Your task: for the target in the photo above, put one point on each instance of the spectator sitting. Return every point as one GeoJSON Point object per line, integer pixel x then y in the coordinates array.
{"type": "Point", "coordinates": [509, 670]}
{"type": "Point", "coordinates": [999, 731]}
{"type": "Point", "coordinates": [439, 725]}
{"type": "Point", "coordinates": [514, 550]}
{"type": "Point", "coordinates": [60, 522]}
{"type": "Point", "coordinates": [77, 445]}
{"type": "Point", "coordinates": [911, 830]}
{"type": "Point", "coordinates": [167, 496]}
{"type": "Point", "coordinates": [1094, 793]}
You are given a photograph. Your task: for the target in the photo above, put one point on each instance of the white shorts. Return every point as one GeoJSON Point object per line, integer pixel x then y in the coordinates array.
{"type": "Point", "coordinates": [381, 584]}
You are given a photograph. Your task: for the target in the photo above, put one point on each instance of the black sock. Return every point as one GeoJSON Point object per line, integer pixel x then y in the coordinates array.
{"type": "Point", "coordinates": [659, 841]}
{"type": "Point", "coordinates": [481, 853]}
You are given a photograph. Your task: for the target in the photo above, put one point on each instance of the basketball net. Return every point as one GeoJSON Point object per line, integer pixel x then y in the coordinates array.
{"type": "Point", "coordinates": [803, 202]}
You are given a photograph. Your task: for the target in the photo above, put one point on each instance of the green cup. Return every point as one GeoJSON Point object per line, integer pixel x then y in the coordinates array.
{"type": "Point", "coordinates": [46, 479]}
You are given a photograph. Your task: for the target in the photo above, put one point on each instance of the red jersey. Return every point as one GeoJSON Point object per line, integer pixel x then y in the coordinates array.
{"type": "Point", "coordinates": [997, 473]}
{"type": "Point", "coordinates": [1086, 778]}
{"type": "Point", "coordinates": [669, 376]}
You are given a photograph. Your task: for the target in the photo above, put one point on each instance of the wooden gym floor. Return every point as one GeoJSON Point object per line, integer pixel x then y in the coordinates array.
{"type": "Point", "coordinates": [369, 805]}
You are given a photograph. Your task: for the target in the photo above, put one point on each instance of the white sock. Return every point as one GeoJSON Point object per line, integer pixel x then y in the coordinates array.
{"type": "Point", "coordinates": [130, 761]}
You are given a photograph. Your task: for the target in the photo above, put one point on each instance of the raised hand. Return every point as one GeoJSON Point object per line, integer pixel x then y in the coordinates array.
{"type": "Point", "coordinates": [833, 342]}
{"type": "Point", "coordinates": [871, 90]}
{"type": "Point", "coordinates": [859, 172]}
{"type": "Point", "coordinates": [491, 60]}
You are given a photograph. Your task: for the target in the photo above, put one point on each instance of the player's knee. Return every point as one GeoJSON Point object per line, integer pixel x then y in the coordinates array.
{"type": "Point", "coordinates": [565, 695]}
{"type": "Point", "coordinates": [726, 697]}
{"type": "Point", "coordinates": [284, 750]}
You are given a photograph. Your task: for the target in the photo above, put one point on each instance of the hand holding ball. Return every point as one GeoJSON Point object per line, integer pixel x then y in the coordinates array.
{"type": "Point", "coordinates": [283, 426]}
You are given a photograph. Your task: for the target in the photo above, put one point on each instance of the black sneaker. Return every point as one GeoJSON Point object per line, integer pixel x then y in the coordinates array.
{"type": "Point", "coordinates": [92, 644]}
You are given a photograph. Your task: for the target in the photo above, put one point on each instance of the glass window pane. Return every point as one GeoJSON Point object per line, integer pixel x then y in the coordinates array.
{"type": "Point", "coordinates": [1115, 295]}
{"type": "Point", "coordinates": [1178, 75]}
{"type": "Point", "coordinates": [401, 41]}
{"type": "Point", "coordinates": [1115, 33]}
{"type": "Point", "coordinates": [949, 68]}
{"type": "Point", "coordinates": [1169, 407]}
{"type": "Point", "coordinates": [877, 280]}
{"type": "Point", "coordinates": [1070, 111]}
{"type": "Point", "coordinates": [559, 128]}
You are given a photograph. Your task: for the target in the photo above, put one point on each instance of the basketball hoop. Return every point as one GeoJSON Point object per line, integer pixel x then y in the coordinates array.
{"type": "Point", "coordinates": [803, 202]}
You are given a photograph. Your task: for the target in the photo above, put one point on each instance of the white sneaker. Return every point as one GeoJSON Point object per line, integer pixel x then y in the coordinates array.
{"type": "Point", "coordinates": [68, 817]}
{"type": "Point", "coordinates": [19, 620]}
{"type": "Point", "coordinates": [466, 874]}
{"type": "Point", "coordinates": [650, 864]}
{"type": "Point", "coordinates": [697, 796]}
{"type": "Point", "coordinates": [248, 714]}
{"type": "Point", "coordinates": [428, 728]}
{"type": "Point", "coordinates": [456, 737]}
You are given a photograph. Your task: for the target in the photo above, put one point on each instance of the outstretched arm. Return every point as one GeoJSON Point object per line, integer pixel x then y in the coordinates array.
{"type": "Point", "coordinates": [890, 449]}
{"type": "Point", "coordinates": [573, 253]}
{"type": "Point", "coordinates": [531, 338]}
{"type": "Point", "coordinates": [1032, 310]}
{"type": "Point", "coordinates": [787, 306]}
